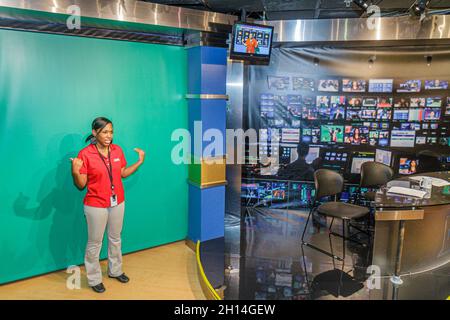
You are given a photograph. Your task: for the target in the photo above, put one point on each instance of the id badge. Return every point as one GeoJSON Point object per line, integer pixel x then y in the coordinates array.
{"type": "Point", "coordinates": [113, 200]}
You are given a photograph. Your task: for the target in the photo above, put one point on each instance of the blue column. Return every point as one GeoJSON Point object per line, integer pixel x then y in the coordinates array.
{"type": "Point", "coordinates": [207, 72]}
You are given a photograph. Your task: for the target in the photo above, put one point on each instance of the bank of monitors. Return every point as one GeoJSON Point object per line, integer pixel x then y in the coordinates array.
{"type": "Point", "coordinates": [358, 158]}
{"type": "Point", "coordinates": [408, 165]}
{"type": "Point", "coordinates": [383, 156]}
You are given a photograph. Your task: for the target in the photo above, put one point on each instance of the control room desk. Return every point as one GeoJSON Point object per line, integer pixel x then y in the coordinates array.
{"type": "Point", "coordinates": [412, 235]}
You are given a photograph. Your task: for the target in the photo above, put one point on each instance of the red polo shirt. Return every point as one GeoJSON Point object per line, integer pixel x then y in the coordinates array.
{"type": "Point", "coordinates": [98, 182]}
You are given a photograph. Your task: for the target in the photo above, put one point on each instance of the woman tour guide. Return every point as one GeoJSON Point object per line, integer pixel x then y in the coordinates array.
{"type": "Point", "coordinates": [101, 166]}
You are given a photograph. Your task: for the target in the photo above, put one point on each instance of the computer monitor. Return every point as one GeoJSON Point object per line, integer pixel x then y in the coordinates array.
{"type": "Point", "coordinates": [286, 154]}
{"type": "Point", "coordinates": [383, 156]}
{"type": "Point", "coordinates": [334, 159]}
{"type": "Point", "coordinates": [249, 191]}
{"type": "Point", "coordinates": [251, 42]}
{"type": "Point", "coordinates": [408, 165]}
{"type": "Point", "coordinates": [278, 190]}
{"type": "Point", "coordinates": [358, 158]}
{"type": "Point", "coordinates": [313, 154]}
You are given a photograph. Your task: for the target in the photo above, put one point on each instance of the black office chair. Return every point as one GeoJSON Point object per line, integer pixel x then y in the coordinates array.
{"type": "Point", "coordinates": [373, 176]}
{"type": "Point", "coordinates": [331, 183]}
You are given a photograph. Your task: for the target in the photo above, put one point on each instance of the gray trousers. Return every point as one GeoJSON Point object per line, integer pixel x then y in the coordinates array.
{"type": "Point", "coordinates": [97, 220]}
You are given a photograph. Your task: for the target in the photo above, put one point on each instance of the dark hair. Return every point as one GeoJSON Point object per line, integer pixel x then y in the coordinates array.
{"type": "Point", "coordinates": [302, 149]}
{"type": "Point", "coordinates": [98, 124]}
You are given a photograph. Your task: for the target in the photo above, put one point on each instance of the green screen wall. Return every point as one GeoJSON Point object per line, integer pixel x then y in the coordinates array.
{"type": "Point", "coordinates": [51, 88]}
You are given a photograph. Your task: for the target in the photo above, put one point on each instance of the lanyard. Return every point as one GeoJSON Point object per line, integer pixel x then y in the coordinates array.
{"type": "Point", "coordinates": [109, 169]}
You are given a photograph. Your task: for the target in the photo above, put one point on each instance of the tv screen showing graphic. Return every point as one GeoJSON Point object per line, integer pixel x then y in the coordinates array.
{"type": "Point", "coordinates": [356, 135]}
{"type": "Point", "coordinates": [328, 85]}
{"type": "Point", "coordinates": [409, 86]}
{"type": "Point", "coordinates": [251, 42]}
{"type": "Point", "coordinates": [300, 83]}
{"type": "Point", "coordinates": [417, 102]}
{"type": "Point", "coordinates": [408, 165]}
{"type": "Point", "coordinates": [402, 103]}
{"type": "Point", "coordinates": [332, 134]}
{"type": "Point", "coordinates": [434, 102]}
{"type": "Point", "coordinates": [370, 102]}
{"type": "Point", "coordinates": [381, 85]}
{"type": "Point", "coordinates": [436, 85]}
{"type": "Point", "coordinates": [403, 138]}
{"type": "Point", "coordinates": [290, 135]}
{"type": "Point", "coordinates": [349, 85]}
{"type": "Point", "coordinates": [384, 102]}
{"type": "Point", "coordinates": [432, 114]}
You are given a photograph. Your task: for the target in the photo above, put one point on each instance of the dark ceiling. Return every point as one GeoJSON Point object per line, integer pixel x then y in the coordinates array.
{"type": "Point", "coordinates": [303, 9]}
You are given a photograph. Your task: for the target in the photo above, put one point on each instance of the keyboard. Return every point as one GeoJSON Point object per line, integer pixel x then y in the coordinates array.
{"type": "Point", "coordinates": [407, 192]}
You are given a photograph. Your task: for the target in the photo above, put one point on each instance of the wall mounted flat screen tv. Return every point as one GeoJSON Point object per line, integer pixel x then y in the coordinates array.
{"type": "Point", "coordinates": [251, 42]}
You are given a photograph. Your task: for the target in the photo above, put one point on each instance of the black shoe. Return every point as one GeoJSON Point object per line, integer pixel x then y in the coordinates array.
{"type": "Point", "coordinates": [122, 278]}
{"type": "Point", "coordinates": [100, 288]}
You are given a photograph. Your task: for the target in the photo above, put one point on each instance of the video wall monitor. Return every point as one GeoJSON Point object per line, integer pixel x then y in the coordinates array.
{"type": "Point", "coordinates": [403, 138]}
{"type": "Point", "coordinates": [384, 102]}
{"type": "Point", "coordinates": [358, 158]}
{"type": "Point", "coordinates": [410, 86]}
{"type": "Point", "coordinates": [349, 85]}
{"type": "Point", "coordinates": [331, 134]}
{"type": "Point", "coordinates": [383, 156]}
{"type": "Point", "coordinates": [435, 102]}
{"type": "Point", "coordinates": [301, 83]}
{"type": "Point", "coordinates": [408, 165]}
{"type": "Point", "coordinates": [436, 85]}
{"type": "Point", "coordinates": [402, 103]}
{"type": "Point", "coordinates": [401, 115]}
{"type": "Point", "coordinates": [417, 102]}
{"type": "Point", "coordinates": [416, 114]}
{"type": "Point", "coordinates": [290, 135]}
{"type": "Point", "coordinates": [432, 114]}
{"type": "Point", "coordinates": [311, 134]}
{"type": "Point", "coordinates": [381, 85]}
{"type": "Point", "coordinates": [251, 42]}
{"type": "Point", "coordinates": [356, 135]}
{"type": "Point", "coordinates": [328, 85]}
